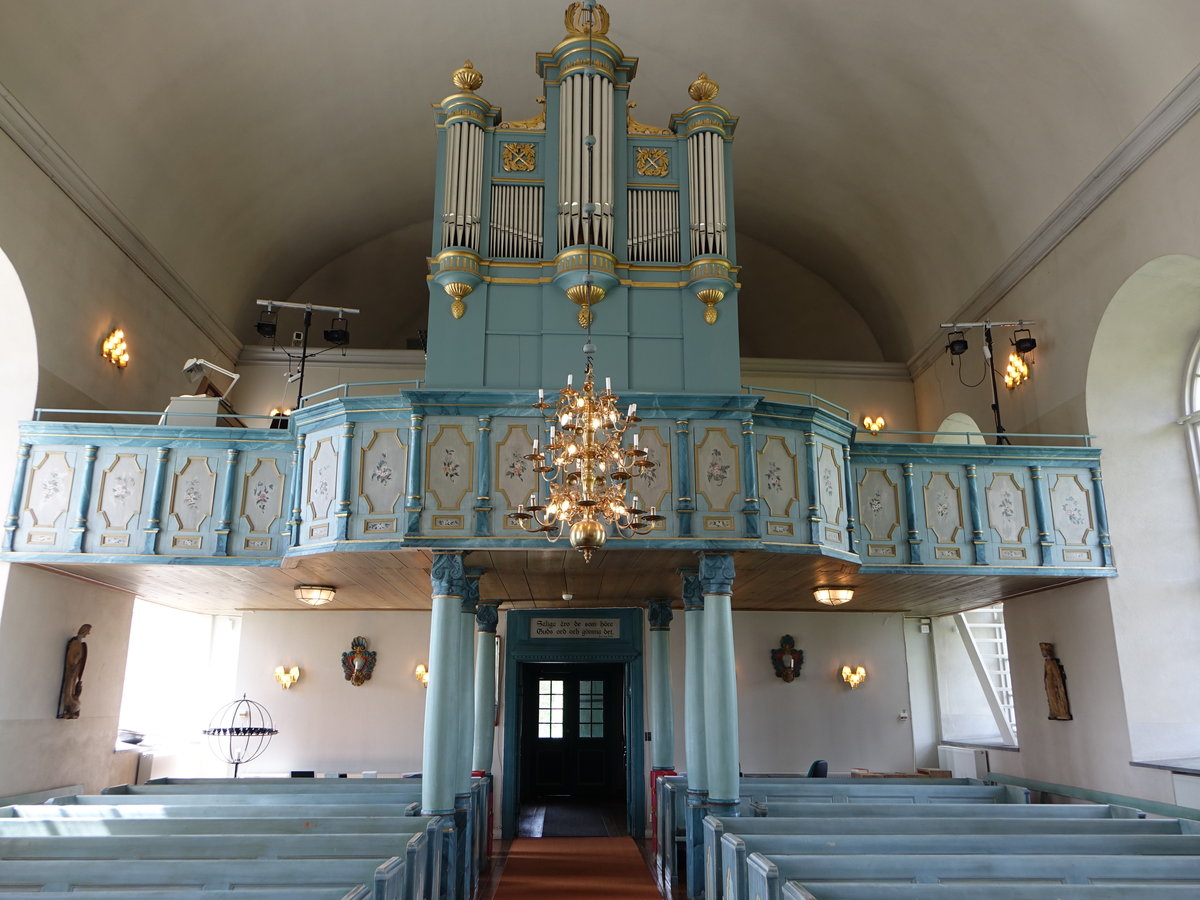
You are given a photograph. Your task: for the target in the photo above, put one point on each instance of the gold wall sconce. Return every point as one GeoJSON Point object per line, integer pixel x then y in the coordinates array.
{"type": "Point", "coordinates": [874, 425]}
{"type": "Point", "coordinates": [115, 349]}
{"type": "Point", "coordinates": [421, 673]}
{"type": "Point", "coordinates": [833, 596]}
{"type": "Point", "coordinates": [314, 594]}
{"type": "Point", "coordinates": [358, 662]}
{"type": "Point", "coordinates": [854, 677]}
{"type": "Point", "coordinates": [786, 659]}
{"type": "Point", "coordinates": [287, 676]}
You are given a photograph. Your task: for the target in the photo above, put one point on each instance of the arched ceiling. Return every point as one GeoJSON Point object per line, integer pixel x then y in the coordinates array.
{"type": "Point", "coordinates": [900, 152]}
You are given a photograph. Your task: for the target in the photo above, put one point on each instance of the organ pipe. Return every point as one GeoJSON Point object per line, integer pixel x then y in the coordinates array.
{"type": "Point", "coordinates": [585, 177]}
{"type": "Point", "coordinates": [464, 186]}
{"type": "Point", "coordinates": [706, 184]}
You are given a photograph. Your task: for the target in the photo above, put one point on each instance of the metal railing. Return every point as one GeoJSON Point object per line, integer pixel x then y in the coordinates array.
{"type": "Point", "coordinates": [40, 415]}
{"type": "Point", "coordinates": [813, 399]}
{"type": "Point", "coordinates": [345, 388]}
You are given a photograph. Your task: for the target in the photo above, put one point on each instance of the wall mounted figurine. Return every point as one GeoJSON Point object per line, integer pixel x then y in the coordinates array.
{"type": "Point", "coordinates": [358, 663]}
{"type": "Point", "coordinates": [1056, 685]}
{"type": "Point", "coordinates": [72, 680]}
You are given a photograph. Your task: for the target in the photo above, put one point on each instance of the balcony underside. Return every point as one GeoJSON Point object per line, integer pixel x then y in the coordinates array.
{"type": "Point", "coordinates": [615, 577]}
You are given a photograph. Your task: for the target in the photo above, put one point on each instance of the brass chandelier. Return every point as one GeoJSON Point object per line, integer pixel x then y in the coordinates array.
{"type": "Point", "coordinates": [586, 468]}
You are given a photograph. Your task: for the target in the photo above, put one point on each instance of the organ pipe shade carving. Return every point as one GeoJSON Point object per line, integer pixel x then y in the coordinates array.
{"type": "Point", "coordinates": [585, 179]}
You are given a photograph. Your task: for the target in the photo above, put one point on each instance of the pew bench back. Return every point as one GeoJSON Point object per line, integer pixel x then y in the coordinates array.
{"type": "Point", "coordinates": [859, 890]}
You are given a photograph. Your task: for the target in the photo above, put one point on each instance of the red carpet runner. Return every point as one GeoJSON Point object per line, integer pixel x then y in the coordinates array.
{"type": "Point", "coordinates": [578, 868]}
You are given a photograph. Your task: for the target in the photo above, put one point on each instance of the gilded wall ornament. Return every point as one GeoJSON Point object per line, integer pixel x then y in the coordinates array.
{"type": "Point", "coordinates": [537, 123]}
{"type": "Point", "coordinates": [358, 663]}
{"type": "Point", "coordinates": [518, 157]}
{"type": "Point", "coordinates": [632, 126]}
{"type": "Point", "coordinates": [652, 161]}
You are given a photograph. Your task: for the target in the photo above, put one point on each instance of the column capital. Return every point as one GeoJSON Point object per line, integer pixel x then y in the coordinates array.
{"type": "Point", "coordinates": [487, 615]}
{"type": "Point", "coordinates": [693, 597]}
{"type": "Point", "coordinates": [660, 613]}
{"type": "Point", "coordinates": [470, 595]}
{"type": "Point", "coordinates": [716, 573]}
{"type": "Point", "coordinates": [446, 573]}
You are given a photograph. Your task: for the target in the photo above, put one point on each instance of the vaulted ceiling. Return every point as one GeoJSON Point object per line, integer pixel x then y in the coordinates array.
{"type": "Point", "coordinates": [898, 151]}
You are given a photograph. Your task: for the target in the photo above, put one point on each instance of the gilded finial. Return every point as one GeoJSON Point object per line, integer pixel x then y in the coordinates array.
{"type": "Point", "coordinates": [467, 78]}
{"type": "Point", "coordinates": [579, 22]}
{"type": "Point", "coordinates": [703, 89]}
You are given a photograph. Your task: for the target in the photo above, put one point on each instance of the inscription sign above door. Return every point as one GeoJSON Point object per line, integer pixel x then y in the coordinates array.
{"type": "Point", "coordinates": [574, 628]}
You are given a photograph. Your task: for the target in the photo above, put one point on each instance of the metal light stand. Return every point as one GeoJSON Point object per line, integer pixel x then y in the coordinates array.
{"type": "Point", "coordinates": [1001, 438]}
{"type": "Point", "coordinates": [308, 308]}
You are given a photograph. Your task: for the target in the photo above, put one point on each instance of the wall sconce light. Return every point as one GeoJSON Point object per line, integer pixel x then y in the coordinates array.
{"type": "Point", "coordinates": [314, 594]}
{"type": "Point", "coordinates": [874, 425]}
{"type": "Point", "coordinates": [287, 677]}
{"type": "Point", "coordinates": [833, 596]}
{"type": "Point", "coordinates": [854, 677]}
{"type": "Point", "coordinates": [422, 674]}
{"type": "Point", "coordinates": [786, 659]}
{"type": "Point", "coordinates": [115, 350]}
{"type": "Point", "coordinates": [359, 662]}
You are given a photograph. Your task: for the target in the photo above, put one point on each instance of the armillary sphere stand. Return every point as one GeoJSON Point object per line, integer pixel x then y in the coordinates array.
{"type": "Point", "coordinates": [240, 731]}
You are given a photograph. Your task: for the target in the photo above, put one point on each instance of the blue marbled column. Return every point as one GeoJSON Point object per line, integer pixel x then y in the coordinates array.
{"type": "Point", "coordinates": [297, 490]}
{"type": "Point", "coordinates": [750, 479]}
{"type": "Point", "coordinates": [483, 478]}
{"type": "Point", "coordinates": [1106, 554]}
{"type": "Point", "coordinates": [978, 544]}
{"type": "Point", "coordinates": [685, 504]}
{"type": "Point", "coordinates": [910, 512]}
{"type": "Point", "coordinates": [851, 501]}
{"type": "Point", "coordinates": [694, 723]}
{"type": "Point", "coordinates": [157, 488]}
{"type": "Point", "coordinates": [79, 531]}
{"type": "Point", "coordinates": [440, 763]}
{"type": "Point", "coordinates": [662, 712]}
{"type": "Point", "coordinates": [225, 522]}
{"type": "Point", "coordinates": [815, 533]}
{"type": "Point", "coordinates": [720, 691]}
{"type": "Point", "coordinates": [1041, 510]}
{"type": "Point", "coordinates": [466, 686]}
{"type": "Point", "coordinates": [18, 492]}
{"type": "Point", "coordinates": [487, 617]}
{"type": "Point", "coordinates": [345, 479]}
{"type": "Point", "coordinates": [414, 502]}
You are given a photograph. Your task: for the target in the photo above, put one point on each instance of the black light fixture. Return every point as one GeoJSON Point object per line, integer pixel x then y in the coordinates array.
{"type": "Point", "coordinates": [1017, 370]}
{"type": "Point", "coordinates": [1025, 344]}
{"type": "Point", "coordinates": [337, 333]}
{"type": "Point", "coordinates": [266, 324]}
{"type": "Point", "coordinates": [957, 345]}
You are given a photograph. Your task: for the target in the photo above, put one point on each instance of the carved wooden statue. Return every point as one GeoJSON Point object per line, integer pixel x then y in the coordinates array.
{"type": "Point", "coordinates": [72, 680]}
{"type": "Point", "coordinates": [1056, 685]}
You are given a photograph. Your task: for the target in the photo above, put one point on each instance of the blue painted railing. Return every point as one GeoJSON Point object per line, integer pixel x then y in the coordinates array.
{"type": "Point", "coordinates": [441, 469]}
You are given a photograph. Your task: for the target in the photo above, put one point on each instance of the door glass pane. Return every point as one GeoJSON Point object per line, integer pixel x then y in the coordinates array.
{"type": "Point", "coordinates": [550, 709]}
{"type": "Point", "coordinates": [591, 709]}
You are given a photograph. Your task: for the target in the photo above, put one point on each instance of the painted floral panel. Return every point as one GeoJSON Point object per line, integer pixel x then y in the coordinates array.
{"type": "Point", "coordinates": [449, 467]}
{"type": "Point", "coordinates": [322, 478]}
{"type": "Point", "coordinates": [777, 476]}
{"type": "Point", "coordinates": [382, 471]}
{"type": "Point", "coordinates": [192, 498]}
{"type": "Point", "coordinates": [654, 484]}
{"type": "Point", "coordinates": [515, 478]}
{"type": "Point", "coordinates": [1006, 508]}
{"type": "Point", "coordinates": [1072, 506]}
{"type": "Point", "coordinates": [717, 472]}
{"type": "Point", "coordinates": [879, 504]}
{"type": "Point", "coordinates": [829, 484]}
{"type": "Point", "coordinates": [121, 491]}
{"type": "Point", "coordinates": [943, 507]}
{"type": "Point", "coordinates": [49, 489]}
{"type": "Point", "coordinates": [262, 495]}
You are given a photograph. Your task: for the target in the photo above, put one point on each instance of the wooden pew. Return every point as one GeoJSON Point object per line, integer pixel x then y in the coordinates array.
{"type": "Point", "coordinates": [735, 848]}
{"type": "Point", "coordinates": [843, 890]}
{"type": "Point", "coordinates": [111, 822]}
{"type": "Point", "coordinates": [385, 877]}
{"type": "Point", "coordinates": [767, 875]}
{"type": "Point", "coordinates": [721, 864]}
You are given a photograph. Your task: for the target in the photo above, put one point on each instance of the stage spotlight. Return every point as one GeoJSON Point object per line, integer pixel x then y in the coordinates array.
{"type": "Point", "coordinates": [337, 333]}
{"type": "Point", "coordinates": [957, 345]}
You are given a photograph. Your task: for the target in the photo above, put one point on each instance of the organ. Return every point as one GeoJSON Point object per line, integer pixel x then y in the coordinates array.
{"type": "Point", "coordinates": [581, 217]}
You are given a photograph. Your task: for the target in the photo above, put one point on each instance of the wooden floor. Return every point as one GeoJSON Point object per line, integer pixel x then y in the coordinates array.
{"type": "Point", "coordinates": [584, 868]}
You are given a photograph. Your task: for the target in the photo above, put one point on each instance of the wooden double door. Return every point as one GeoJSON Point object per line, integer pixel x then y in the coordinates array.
{"type": "Point", "coordinates": [573, 738]}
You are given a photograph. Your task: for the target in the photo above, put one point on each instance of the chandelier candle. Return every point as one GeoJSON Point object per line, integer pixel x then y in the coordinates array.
{"type": "Point", "coordinates": [587, 470]}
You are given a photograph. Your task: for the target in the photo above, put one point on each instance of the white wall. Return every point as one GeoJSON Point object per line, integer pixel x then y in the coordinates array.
{"type": "Point", "coordinates": [42, 611]}
{"type": "Point", "coordinates": [325, 723]}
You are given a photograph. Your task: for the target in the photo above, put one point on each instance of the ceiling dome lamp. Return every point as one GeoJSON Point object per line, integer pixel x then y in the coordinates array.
{"type": "Point", "coordinates": [314, 594]}
{"type": "Point", "coordinates": [833, 596]}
